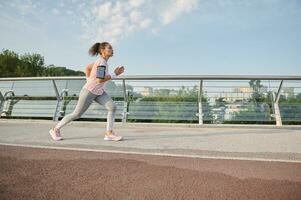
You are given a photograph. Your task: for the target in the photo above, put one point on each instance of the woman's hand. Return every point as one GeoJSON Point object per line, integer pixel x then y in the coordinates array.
{"type": "Point", "coordinates": [119, 70]}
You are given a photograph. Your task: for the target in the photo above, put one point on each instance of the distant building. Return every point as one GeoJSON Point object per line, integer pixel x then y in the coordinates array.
{"type": "Point", "coordinates": [147, 91]}
{"type": "Point", "coordinates": [239, 93]}
{"type": "Point", "coordinates": [243, 90]}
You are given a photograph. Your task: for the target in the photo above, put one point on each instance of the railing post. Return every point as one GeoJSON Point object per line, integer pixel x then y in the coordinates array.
{"type": "Point", "coordinates": [63, 105]}
{"type": "Point", "coordinates": [1, 103]}
{"type": "Point", "coordinates": [8, 106]}
{"type": "Point", "coordinates": [125, 103]}
{"type": "Point", "coordinates": [58, 103]}
{"type": "Point", "coordinates": [200, 95]}
{"type": "Point", "coordinates": [276, 106]}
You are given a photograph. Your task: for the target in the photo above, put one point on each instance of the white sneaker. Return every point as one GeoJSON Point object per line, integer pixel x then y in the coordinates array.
{"type": "Point", "coordinates": [112, 137]}
{"type": "Point", "coordinates": [55, 135]}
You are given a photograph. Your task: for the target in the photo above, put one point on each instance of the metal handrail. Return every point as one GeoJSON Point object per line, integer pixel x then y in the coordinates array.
{"type": "Point", "coordinates": [165, 77]}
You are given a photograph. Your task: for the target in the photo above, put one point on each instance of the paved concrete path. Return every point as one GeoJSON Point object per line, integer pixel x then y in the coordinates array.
{"type": "Point", "coordinates": [267, 143]}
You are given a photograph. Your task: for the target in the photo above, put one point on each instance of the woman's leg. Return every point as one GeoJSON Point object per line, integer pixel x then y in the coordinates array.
{"type": "Point", "coordinates": [84, 101]}
{"type": "Point", "coordinates": [110, 105]}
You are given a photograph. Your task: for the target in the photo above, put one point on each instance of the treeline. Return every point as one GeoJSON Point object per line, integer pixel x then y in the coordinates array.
{"type": "Point", "coordinates": [30, 65]}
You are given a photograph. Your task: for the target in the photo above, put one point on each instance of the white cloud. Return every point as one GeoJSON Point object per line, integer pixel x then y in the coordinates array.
{"type": "Point", "coordinates": [55, 11]}
{"type": "Point", "coordinates": [27, 7]}
{"type": "Point", "coordinates": [69, 12]}
{"type": "Point", "coordinates": [136, 3]}
{"type": "Point", "coordinates": [114, 20]}
{"type": "Point", "coordinates": [108, 20]}
{"type": "Point", "coordinates": [145, 23]}
{"type": "Point", "coordinates": [102, 11]}
{"type": "Point", "coordinates": [176, 9]}
{"type": "Point", "coordinates": [23, 8]}
{"type": "Point", "coordinates": [135, 16]}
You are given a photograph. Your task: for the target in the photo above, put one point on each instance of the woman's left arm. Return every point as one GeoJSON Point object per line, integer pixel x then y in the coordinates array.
{"type": "Point", "coordinates": [88, 69]}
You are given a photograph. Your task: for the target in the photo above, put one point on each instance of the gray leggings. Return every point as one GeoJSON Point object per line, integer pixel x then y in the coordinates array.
{"type": "Point", "coordinates": [84, 101]}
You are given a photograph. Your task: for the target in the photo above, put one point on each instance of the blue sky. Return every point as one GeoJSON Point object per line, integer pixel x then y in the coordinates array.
{"type": "Point", "coordinates": [160, 36]}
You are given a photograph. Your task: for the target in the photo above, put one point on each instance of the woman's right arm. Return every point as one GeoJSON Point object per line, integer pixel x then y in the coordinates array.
{"type": "Point", "coordinates": [107, 78]}
{"type": "Point", "coordinates": [117, 71]}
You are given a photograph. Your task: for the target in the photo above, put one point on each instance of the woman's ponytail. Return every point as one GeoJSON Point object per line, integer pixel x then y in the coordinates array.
{"type": "Point", "coordinates": [95, 49]}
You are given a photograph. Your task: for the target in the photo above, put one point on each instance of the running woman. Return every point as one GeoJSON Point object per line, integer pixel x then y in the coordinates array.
{"type": "Point", "coordinates": [94, 90]}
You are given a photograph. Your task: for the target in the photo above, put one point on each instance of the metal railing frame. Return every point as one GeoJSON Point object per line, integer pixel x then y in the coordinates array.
{"type": "Point", "coordinates": [125, 113]}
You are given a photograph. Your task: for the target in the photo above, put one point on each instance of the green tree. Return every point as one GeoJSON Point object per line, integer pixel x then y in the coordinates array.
{"type": "Point", "coordinates": [257, 94]}
{"type": "Point", "coordinates": [9, 61]}
{"type": "Point", "coordinates": [14, 65]}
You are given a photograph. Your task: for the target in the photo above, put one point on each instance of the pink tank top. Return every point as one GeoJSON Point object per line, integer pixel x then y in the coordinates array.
{"type": "Point", "coordinates": [91, 84]}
